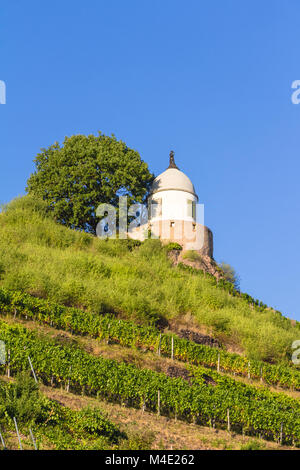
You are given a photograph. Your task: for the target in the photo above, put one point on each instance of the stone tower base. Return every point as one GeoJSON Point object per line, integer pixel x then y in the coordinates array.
{"type": "Point", "coordinates": [190, 235]}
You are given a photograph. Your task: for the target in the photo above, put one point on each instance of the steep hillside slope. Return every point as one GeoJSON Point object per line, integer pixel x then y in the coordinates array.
{"type": "Point", "coordinates": [117, 323]}
{"type": "Point", "coordinates": [133, 282]}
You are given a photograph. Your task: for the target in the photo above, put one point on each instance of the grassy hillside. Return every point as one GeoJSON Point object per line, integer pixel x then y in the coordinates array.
{"type": "Point", "coordinates": [43, 258]}
{"type": "Point", "coordinates": [87, 312]}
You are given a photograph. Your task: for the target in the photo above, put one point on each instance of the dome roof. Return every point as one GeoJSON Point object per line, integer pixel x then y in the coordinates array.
{"type": "Point", "coordinates": [172, 178]}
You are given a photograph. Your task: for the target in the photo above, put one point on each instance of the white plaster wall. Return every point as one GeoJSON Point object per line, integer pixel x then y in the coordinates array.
{"type": "Point", "coordinates": [174, 204]}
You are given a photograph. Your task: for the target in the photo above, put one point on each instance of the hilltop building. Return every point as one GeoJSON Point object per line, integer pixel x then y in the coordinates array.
{"type": "Point", "coordinates": [172, 213]}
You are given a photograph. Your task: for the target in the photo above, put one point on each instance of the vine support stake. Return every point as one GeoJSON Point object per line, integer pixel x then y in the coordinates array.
{"type": "Point", "coordinates": [261, 374]}
{"type": "Point", "coordinates": [281, 433]}
{"type": "Point", "coordinates": [249, 365]}
{"type": "Point", "coordinates": [33, 439]}
{"type": "Point", "coordinates": [19, 439]}
{"type": "Point", "coordinates": [2, 441]}
{"type": "Point", "coordinates": [158, 402]}
{"type": "Point", "coordinates": [159, 344]}
{"type": "Point", "coordinates": [69, 379]}
{"type": "Point", "coordinates": [172, 348]}
{"type": "Point", "coordinates": [32, 369]}
{"type": "Point", "coordinates": [218, 367]}
{"type": "Point", "coordinates": [8, 363]}
{"type": "Point", "coordinates": [228, 420]}
{"type": "Point", "coordinates": [108, 328]}
{"type": "Point", "coordinates": [143, 405]}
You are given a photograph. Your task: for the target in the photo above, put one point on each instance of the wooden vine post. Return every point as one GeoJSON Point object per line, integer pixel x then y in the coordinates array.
{"type": "Point", "coordinates": [228, 420]}
{"type": "Point", "coordinates": [159, 345]}
{"type": "Point", "coordinates": [158, 402]}
{"type": "Point", "coordinates": [143, 405]}
{"type": "Point", "coordinates": [108, 333]}
{"type": "Point", "coordinates": [218, 366]}
{"type": "Point", "coordinates": [172, 348]}
{"type": "Point", "coordinates": [8, 363]}
{"type": "Point", "coordinates": [69, 379]}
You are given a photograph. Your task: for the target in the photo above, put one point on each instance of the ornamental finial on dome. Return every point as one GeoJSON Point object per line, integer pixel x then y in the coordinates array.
{"type": "Point", "coordinates": [172, 163]}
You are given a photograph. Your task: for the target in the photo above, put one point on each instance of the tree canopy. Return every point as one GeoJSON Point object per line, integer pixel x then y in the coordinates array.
{"type": "Point", "coordinates": [84, 172]}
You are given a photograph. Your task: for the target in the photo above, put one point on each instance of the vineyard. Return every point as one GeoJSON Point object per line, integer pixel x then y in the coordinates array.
{"type": "Point", "coordinates": [126, 300]}
{"type": "Point", "coordinates": [44, 422]}
{"type": "Point", "coordinates": [130, 334]}
{"type": "Point", "coordinates": [250, 410]}
{"type": "Point", "coordinates": [135, 282]}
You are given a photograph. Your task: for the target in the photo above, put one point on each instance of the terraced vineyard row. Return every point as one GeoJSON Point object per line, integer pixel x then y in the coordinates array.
{"type": "Point", "coordinates": [251, 410]}
{"type": "Point", "coordinates": [129, 334]}
{"type": "Point", "coordinates": [49, 422]}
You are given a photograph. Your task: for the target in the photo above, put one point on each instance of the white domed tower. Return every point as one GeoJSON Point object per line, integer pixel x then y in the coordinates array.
{"type": "Point", "coordinates": [172, 212]}
{"type": "Point", "coordinates": [173, 196]}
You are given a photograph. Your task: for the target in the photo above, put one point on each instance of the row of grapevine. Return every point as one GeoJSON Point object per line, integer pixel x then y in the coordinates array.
{"type": "Point", "coordinates": [52, 422]}
{"type": "Point", "coordinates": [129, 334]}
{"type": "Point", "coordinates": [251, 410]}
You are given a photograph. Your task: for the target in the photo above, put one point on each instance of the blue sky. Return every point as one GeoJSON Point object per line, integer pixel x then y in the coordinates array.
{"type": "Point", "coordinates": [210, 80]}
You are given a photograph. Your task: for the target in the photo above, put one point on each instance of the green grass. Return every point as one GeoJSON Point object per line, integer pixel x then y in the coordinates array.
{"type": "Point", "coordinates": [191, 255]}
{"type": "Point", "coordinates": [45, 259]}
{"type": "Point", "coordinates": [253, 445]}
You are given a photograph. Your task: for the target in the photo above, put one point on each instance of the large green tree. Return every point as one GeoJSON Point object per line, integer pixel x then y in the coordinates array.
{"type": "Point", "coordinates": [85, 171]}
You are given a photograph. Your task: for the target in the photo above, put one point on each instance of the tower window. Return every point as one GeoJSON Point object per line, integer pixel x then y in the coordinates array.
{"type": "Point", "coordinates": [155, 207]}
{"type": "Point", "coordinates": [191, 209]}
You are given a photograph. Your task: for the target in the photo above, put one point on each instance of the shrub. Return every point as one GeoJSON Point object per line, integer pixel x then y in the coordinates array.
{"type": "Point", "coordinates": [136, 441]}
{"type": "Point", "coordinates": [191, 255]}
{"type": "Point", "coordinates": [92, 421]}
{"type": "Point", "coordinates": [173, 246]}
{"type": "Point", "coordinates": [253, 445]}
{"type": "Point", "coordinates": [151, 248]}
{"type": "Point", "coordinates": [230, 275]}
{"type": "Point", "coordinates": [23, 400]}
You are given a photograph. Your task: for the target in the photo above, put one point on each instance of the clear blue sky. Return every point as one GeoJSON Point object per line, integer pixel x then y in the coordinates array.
{"type": "Point", "coordinates": [211, 80]}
